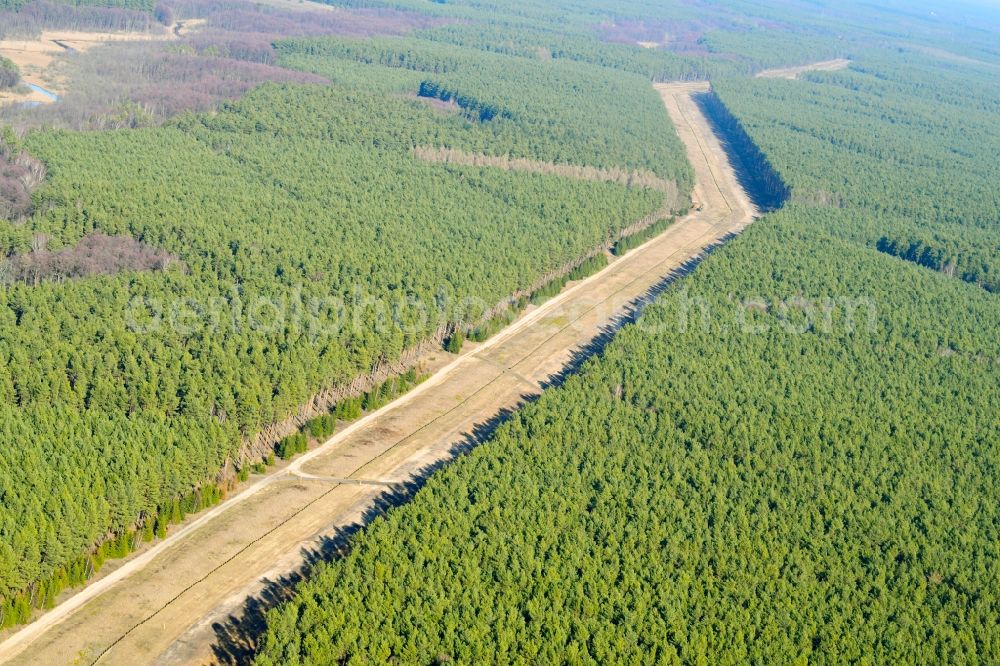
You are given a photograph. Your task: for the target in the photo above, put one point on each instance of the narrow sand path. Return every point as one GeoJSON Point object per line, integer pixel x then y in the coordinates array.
{"type": "Point", "coordinates": [163, 606]}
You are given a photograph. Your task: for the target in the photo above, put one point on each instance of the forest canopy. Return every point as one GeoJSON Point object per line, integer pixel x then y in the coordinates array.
{"type": "Point", "coordinates": [788, 459]}
{"type": "Point", "coordinates": [807, 481]}
{"type": "Point", "coordinates": [259, 248]}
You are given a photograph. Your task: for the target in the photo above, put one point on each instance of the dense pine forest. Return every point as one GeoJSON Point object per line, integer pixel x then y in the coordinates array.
{"type": "Point", "coordinates": [258, 226]}
{"type": "Point", "coordinates": [789, 458]}
{"type": "Point", "coordinates": [172, 291]}
{"type": "Point", "coordinates": [289, 231]}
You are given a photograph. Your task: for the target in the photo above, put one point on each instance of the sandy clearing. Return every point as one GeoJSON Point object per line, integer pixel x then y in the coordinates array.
{"type": "Point", "coordinates": [794, 72]}
{"type": "Point", "coordinates": [161, 605]}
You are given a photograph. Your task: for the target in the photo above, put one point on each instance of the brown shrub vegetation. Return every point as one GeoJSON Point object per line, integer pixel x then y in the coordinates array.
{"type": "Point", "coordinates": [34, 17]}
{"type": "Point", "coordinates": [247, 18]}
{"type": "Point", "coordinates": [20, 174]}
{"type": "Point", "coordinates": [683, 36]}
{"type": "Point", "coordinates": [95, 254]}
{"type": "Point", "coordinates": [168, 83]}
{"type": "Point", "coordinates": [132, 84]}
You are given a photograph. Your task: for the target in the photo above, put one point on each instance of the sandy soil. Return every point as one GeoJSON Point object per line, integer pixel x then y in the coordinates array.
{"type": "Point", "coordinates": [794, 72]}
{"type": "Point", "coordinates": [161, 606]}
{"type": "Point", "coordinates": [34, 57]}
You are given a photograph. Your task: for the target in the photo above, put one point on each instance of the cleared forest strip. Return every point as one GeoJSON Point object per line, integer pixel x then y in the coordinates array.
{"type": "Point", "coordinates": [595, 174]}
{"type": "Point", "coordinates": [169, 603]}
{"type": "Point", "coordinates": [795, 72]}
{"type": "Point", "coordinates": [416, 358]}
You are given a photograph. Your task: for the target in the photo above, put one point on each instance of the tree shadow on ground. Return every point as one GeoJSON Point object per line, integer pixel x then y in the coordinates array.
{"type": "Point", "coordinates": [754, 173]}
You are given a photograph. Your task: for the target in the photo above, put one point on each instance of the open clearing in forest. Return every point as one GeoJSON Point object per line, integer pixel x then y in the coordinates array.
{"type": "Point", "coordinates": [594, 174]}
{"type": "Point", "coordinates": [795, 72]}
{"type": "Point", "coordinates": [164, 605]}
{"type": "Point", "coordinates": [35, 56]}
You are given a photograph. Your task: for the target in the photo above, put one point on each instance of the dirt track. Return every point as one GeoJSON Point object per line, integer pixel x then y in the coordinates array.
{"type": "Point", "coordinates": [794, 72]}
{"type": "Point", "coordinates": [160, 606]}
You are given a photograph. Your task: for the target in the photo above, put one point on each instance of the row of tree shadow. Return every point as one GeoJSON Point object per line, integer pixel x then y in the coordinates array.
{"type": "Point", "coordinates": [754, 172]}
